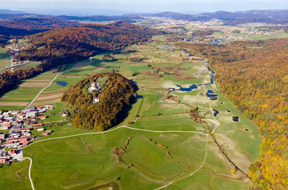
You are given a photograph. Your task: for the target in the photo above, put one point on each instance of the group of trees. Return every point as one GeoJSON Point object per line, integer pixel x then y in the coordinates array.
{"type": "Point", "coordinates": [115, 99]}
{"type": "Point", "coordinates": [254, 75]}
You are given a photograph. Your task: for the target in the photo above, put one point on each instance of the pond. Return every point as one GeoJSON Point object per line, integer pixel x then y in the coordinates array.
{"type": "Point", "coordinates": [192, 87]}
{"type": "Point", "coordinates": [62, 83]}
{"type": "Point", "coordinates": [216, 112]}
{"type": "Point", "coordinates": [235, 118]}
{"type": "Point", "coordinates": [210, 94]}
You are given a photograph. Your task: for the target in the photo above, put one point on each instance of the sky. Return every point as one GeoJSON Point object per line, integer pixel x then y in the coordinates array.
{"type": "Point", "coordinates": [134, 6]}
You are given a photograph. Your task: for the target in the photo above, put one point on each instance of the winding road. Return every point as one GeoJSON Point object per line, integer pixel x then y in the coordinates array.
{"type": "Point", "coordinates": [29, 172]}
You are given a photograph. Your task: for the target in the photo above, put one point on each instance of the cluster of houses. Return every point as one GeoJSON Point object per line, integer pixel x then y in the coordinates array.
{"type": "Point", "coordinates": [20, 124]}
{"type": "Point", "coordinates": [95, 89]}
{"type": "Point", "coordinates": [13, 53]}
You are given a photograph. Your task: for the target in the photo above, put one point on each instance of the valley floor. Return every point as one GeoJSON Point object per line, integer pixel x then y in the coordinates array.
{"type": "Point", "coordinates": [158, 146]}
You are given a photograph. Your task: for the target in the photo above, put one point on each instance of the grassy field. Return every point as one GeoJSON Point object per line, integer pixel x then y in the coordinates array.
{"type": "Point", "coordinates": [4, 58]}
{"type": "Point", "coordinates": [162, 143]}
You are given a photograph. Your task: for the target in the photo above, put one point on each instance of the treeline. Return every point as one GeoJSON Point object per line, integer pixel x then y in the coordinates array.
{"type": "Point", "coordinates": [84, 40]}
{"type": "Point", "coordinates": [72, 44]}
{"type": "Point", "coordinates": [115, 99]}
{"type": "Point", "coordinates": [202, 33]}
{"type": "Point", "coordinates": [254, 75]}
{"type": "Point", "coordinates": [273, 28]}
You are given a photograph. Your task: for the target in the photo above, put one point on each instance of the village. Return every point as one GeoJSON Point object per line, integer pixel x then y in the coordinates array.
{"type": "Point", "coordinates": [16, 131]}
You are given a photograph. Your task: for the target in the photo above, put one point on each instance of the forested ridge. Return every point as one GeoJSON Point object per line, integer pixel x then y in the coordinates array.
{"type": "Point", "coordinates": [38, 23]}
{"type": "Point", "coordinates": [84, 40]}
{"type": "Point", "coordinates": [72, 44]}
{"type": "Point", "coordinates": [115, 98]}
{"type": "Point", "coordinates": [254, 76]}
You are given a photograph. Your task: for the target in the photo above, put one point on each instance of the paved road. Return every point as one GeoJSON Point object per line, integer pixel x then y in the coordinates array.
{"type": "Point", "coordinates": [29, 172]}
{"type": "Point", "coordinates": [43, 90]}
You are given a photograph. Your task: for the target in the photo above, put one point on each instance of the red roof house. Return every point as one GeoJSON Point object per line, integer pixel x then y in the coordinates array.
{"type": "Point", "coordinates": [13, 151]}
{"type": "Point", "coordinates": [2, 160]}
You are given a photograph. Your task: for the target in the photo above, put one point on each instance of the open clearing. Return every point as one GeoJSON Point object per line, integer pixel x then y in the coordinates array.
{"type": "Point", "coordinates": [157, 146]}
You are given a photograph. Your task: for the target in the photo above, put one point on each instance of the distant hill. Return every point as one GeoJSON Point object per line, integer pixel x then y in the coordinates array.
{"type": "Point", "coordinates": [6, 11]}
{"type": "Point", "coordinates": [233, 18]}
{"type": "Point", "coordinates": [16, 32]}
{"type": "Point", "coordinates": [38, 23]}
{"type": "Point", "coordinates": [84, 40]}
{"type": "Point", "coordinates": [103, 18]}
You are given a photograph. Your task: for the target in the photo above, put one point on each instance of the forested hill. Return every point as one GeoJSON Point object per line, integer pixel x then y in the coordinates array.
{"type": "Point", "coordinates": [39, 23]}
{"type": "Point", "coordinates": [84, 40]}
{"type": "Point", "coordinates": [20, 27]}
{"type": "Point", "coordinates": [254, 75]}
{"type": "Point", "coordinates": [234, 18]}
{"type": "Point", "coordinates": [115, 95]}
{"type": "Point", "coordinates": [8, 33]}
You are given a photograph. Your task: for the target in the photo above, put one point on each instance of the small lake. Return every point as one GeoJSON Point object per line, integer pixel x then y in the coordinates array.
{"type": "Point", "coordinates": [62, 83]}
{"type": "Point", "coordinates": [210, 93]}
{"type": "Point", "coordinates": [138, 96]}
{"type": "Point", "coordinates": [235, 118]}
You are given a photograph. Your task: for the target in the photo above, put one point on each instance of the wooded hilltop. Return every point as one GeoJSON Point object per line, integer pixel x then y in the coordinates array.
{"type": "Point", "coordinates": [117, 94]}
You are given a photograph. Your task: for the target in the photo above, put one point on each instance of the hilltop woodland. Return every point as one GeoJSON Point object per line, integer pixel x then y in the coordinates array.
{"type": "Point", "coordinates": [71, 44]}
{"type": "Point", "coordinates": [116, 96]}
{"type": "Point", "coordinates": [254, 76]}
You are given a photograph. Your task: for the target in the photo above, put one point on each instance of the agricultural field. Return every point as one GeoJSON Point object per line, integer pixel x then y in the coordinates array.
{"type": "Point", "coordinates": [4, 58]}
{"type": "Point", "coordinates": [160, 145]}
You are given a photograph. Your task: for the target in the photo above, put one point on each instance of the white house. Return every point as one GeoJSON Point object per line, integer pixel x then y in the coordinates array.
{"type": "Point", "coordinates": [94, 86]}
{"type": "Point", "coordinates": [96, 99]}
